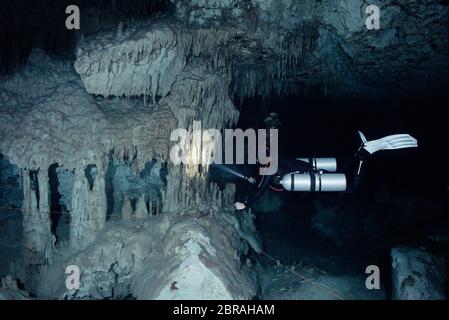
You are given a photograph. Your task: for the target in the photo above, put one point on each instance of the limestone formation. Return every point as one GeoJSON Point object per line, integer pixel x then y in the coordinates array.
{"type": "Point", "coordinates": [141, 211]}
{"type": "Point", "coordinates": [127, 210]}
{"type": "Point", "coordinates": [417, 274]}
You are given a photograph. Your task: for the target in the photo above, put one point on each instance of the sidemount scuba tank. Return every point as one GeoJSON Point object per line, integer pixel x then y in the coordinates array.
{"type": "Point", "coordinates": [315, 181]}
{"type": "Point", "coordinates": [326, 164]}
{"type": "Point", "coordinates": [321, 177]}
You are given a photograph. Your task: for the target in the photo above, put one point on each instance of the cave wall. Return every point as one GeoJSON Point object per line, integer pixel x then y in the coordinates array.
{"type": "Point", "coordinates": [39, 25]}
{"type": "Point", "coordinates": [11, 231]}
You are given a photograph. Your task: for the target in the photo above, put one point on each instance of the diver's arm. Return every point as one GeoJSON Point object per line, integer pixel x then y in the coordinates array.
{"type": "Point", "coordinates": [264, 184]}
{"type": "Point", "coordinates": [354, 171]}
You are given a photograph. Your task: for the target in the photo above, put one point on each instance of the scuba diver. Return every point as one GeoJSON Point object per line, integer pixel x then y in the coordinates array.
{"type": "Point", "coordinates": [320, 174]}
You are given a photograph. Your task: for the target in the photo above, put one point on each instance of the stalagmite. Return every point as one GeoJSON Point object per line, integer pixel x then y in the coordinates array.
{"type": "Point", "coordinates": [197, 199]}
{"type": "Point", "coordinates": [220, 199]}
{"type": "Point", "coordinates": [98, 202]}
{"type": "Point", "coordinates": [171, 198]}
{"type": "Point", "coordinates": [158, 206]}
{"type": "Point", "coordinates": [150, 207]}
{"type": "Point", "coordinates": [229, 194]}
{"type": "Point", "coordinates": [120, 29]}
{"type": "Point", "coordinates": [141, 208]}
{"type": "Point", "coordinates": [127, 210]}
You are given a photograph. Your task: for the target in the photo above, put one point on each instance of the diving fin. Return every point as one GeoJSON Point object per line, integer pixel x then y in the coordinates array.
{"type": "Point", "coordinates": [362, 137]}
{"type": "Point", "coordinates": [392, 142]}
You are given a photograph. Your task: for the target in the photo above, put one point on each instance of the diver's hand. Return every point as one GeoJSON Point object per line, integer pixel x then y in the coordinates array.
{"type": "Point", "coordinates": [251, 180]}
{"type": "Point", "coordinates": [239, 206]}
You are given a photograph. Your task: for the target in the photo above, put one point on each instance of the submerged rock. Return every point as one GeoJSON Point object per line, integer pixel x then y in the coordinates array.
{"type": "Point", "coordinates": [162, 257]}
{"type": "Point", "coordinates": [417, 274]}
{"type": "Point", "coordinates": [305, 281]}
{"type": "Point", "coordinates": [9, 290]}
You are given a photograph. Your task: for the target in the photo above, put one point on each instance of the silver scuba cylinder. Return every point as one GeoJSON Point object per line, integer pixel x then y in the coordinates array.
{"type": "Point", "coordinates": [314, 182]}
{"type": "Point", "coordinates": [326, 164]}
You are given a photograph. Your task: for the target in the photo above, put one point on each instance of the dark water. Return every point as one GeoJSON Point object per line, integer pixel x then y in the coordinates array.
{"type": "Point", "coordinates": [404, 193]}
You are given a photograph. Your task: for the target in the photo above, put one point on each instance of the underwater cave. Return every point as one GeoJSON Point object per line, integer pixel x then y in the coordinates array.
{"type": "Point", "coordinates": [102, 170]}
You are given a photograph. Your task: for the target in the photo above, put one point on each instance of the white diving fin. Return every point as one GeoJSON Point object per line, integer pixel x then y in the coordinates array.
{"type": "Point", "coordinates": [393, 142]}
{"type": "Point", "coordinates": [362, 137]}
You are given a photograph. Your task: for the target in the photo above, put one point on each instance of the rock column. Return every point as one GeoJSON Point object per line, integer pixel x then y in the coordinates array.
{"type": "Point", "coordinates": [38, 240]}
